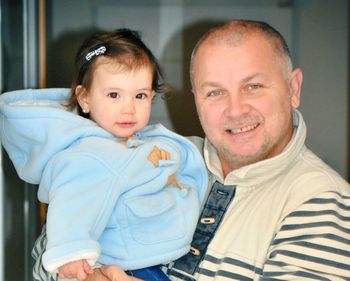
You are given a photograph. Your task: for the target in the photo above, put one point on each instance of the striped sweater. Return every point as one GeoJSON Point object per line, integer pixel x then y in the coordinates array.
{"type": "Point", "coordinates": [288, 220]}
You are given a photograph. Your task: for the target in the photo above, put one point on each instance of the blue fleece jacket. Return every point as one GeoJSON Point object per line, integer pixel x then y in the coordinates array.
{"type": "Point", "coordinates": [107, 202]}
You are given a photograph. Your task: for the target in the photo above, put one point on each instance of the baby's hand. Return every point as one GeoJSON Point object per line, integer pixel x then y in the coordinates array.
{"type": "Point", "coordinates": [76, 269]}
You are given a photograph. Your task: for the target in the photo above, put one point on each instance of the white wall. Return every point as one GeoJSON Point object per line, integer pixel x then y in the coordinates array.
{"type": "Point", "coordinates": [316, 31]}
{"type": "Point", "coordinates": [322, 52]}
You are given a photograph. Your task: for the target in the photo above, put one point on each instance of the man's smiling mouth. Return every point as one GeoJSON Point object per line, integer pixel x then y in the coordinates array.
{"type": "Point", "coordinates": [242, 129]}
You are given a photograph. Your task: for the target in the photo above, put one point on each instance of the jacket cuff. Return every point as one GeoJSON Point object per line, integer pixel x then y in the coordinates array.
{"type": "Point", "coordinates": [57, 256]}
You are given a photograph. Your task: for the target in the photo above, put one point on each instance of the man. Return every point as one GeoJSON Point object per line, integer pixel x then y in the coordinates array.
{"type": "Point", "coordinates": [287, 218]}
{"type": "Point", "coordinates": [274, 211]}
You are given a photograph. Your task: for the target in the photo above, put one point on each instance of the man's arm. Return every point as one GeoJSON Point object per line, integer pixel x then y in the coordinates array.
{"type": "Point", "coordinates": [313, 242]}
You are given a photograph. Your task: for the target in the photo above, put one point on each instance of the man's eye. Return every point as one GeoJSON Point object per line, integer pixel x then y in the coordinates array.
{"type": "Point", "coordinates": [252, 87]}
{"type": "Point", "coordinates": [141, 96]}
{"type": "Point", "coordinates": [214, 93]}
{"type": "Point", "coordinates": [114, 95]}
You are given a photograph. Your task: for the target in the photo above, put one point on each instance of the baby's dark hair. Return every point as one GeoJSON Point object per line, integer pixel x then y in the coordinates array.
{"type": "Point", "coordinates": [125, 47]}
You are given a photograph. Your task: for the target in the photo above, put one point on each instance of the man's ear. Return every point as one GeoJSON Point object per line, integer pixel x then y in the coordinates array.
{"type": "Point", "coordinates": [295, 83]}
{"type": "Point", "coordinates": [82, 98]}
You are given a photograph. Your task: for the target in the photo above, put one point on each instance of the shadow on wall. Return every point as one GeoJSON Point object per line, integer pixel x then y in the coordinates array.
{"type": "Point", "coordinates": [180, 104]}
{"type": "Point", "coordinates": [61, 55]}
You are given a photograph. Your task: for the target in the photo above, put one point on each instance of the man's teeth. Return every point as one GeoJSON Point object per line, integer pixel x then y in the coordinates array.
{"type": "Point", "coordinates": [244, 129]}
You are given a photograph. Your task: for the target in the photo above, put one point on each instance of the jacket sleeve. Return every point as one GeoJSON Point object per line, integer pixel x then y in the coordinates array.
{"type": "Point", "coordinates": [81, 191]}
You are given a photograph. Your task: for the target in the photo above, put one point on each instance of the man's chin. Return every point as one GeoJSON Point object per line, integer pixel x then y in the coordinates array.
{"type": "Point", "coordinates": [239, 159]}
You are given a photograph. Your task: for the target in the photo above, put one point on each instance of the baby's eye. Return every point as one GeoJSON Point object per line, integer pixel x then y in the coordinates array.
{"type": "Point", "coordinates": [141, 96]}
{"type": "Point", "coordinates": [114, 95]}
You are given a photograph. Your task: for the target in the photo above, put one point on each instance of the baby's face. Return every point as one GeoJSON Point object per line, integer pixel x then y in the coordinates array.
{"type": "Point", "coordinates": [120, 100]}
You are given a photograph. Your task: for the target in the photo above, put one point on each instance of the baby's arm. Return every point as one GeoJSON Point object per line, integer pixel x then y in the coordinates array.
{"type": "Point", "coordinates": [79, 269]}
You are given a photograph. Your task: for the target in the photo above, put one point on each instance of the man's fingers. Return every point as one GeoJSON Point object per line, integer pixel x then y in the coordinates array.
{"type": "Point", "coordinates": [97, 276]}
{"type": "Point", "coordinates": [115, 273]}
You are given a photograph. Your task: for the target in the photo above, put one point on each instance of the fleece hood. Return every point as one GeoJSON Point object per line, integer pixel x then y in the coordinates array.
{"type": "Point", "coordinates": [22, 112]}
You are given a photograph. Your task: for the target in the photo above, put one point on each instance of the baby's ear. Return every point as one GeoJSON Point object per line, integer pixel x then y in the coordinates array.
{"type": "Point", "coordinates": [81, 94]}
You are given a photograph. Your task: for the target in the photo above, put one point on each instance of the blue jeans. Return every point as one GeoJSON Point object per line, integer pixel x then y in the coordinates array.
{"type": "Point", "coordinates": [153, 273]}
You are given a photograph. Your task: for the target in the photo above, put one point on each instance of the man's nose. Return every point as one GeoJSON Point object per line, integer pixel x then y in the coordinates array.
{"type": "Point", "coordinates": [235, 105]}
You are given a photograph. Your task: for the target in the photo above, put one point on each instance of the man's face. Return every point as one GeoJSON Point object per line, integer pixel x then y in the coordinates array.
{"type": "Point", "coordinates": [244, 100]}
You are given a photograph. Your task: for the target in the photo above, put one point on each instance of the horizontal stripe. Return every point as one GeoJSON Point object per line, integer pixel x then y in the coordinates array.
{"type": "Point", "coordinates": [302, 225]}
{"type": "Point", "coordinates": [333, 194]}
{"type": "Point", "coordinates": [228, 268]}
{"type": "Point", "coordinates": [311, 237]}
{"type": "Point", "coordinates": [319, 213]}
{"type": "Point", "coordinates": [227, 274]}
{"type": "Point", "coordinates": [234, 262]}
{"type": "Point", "coordinates": [324, 248]}
{"type": "Point", "coordinates": [269, 279]}
{"type": "Point", "coordinates": [280, 275]}
{"type": "Point", "coordinates": [314, 259]}
{"type": "Point", "coordinates": [323, 201]}
{"type": "Point", "coordinates": [286, 271]}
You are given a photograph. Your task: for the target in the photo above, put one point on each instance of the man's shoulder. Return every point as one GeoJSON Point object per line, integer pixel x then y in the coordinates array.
{"type": "Point", "coordinates": [308, 177]}
{"type": "Point", "coordinates": [197, 141]}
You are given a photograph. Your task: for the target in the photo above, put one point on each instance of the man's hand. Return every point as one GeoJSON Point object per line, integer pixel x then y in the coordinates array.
{"type": "Point", "coordinates": [97, 276]}
{"type": "Point", "coordinates": [110, 273]}
{"type": "Point", "coordinates": [114, 273]}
